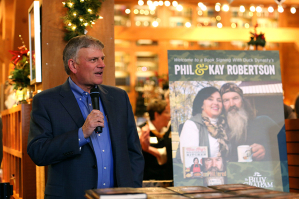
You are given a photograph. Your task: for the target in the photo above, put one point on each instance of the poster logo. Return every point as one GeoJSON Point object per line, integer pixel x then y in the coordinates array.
{"type": "Point", "coordinates": [200, 69]}
{"type": "Point", "coordinates": [259, 181]}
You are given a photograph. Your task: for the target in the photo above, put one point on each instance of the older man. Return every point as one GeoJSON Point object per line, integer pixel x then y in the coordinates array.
{"type": "Point", "coordinates": [244, 128]}
{"type": "Point", "coordinates": [62, 129]}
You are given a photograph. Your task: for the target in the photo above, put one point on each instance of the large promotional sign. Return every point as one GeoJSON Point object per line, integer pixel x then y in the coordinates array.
{"type": "Point", "coordinates": [227, 118]}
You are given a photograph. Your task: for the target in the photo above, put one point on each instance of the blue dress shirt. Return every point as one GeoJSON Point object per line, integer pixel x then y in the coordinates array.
{"type": "Point", "coordinates": [101, 142]}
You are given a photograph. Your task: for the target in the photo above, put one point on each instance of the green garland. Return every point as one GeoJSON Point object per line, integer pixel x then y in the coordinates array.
{"type": "Point", "coordinates": [81, 13]}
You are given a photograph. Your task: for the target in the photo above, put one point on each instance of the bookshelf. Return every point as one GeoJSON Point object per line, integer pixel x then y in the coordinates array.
{"type": "Point", "coordinates": [18, 168]}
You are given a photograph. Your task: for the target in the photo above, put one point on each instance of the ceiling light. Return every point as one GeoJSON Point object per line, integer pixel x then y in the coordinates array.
{"type": "Point", "coordinates": [179, 7]}
{"type": "Point", "coordinates": [252, 8]}
{"type": "Point", "coordinates": [270, 9]}
{"type": "Point", "coordinates": [280, 9]}
{"type": "Point", "coordinates": [242, 9]}
{"type": "Point", "coordinates": [225, 8]}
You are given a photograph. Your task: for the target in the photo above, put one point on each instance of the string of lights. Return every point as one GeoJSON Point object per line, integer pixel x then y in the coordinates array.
{"type": "Point", "coordinates": [225, 7]}
{"type": "Point", "coordinates": [81, 13]}
{"type": "Point", "coordinates": [148, 7]}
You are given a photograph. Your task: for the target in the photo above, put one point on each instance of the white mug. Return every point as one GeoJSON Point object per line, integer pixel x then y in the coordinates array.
{"type": "Point", "coordinates": [244, 153]}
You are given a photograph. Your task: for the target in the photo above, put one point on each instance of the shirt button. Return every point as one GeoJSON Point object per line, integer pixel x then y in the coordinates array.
{"type": "Point", "coordinates": [104, 184]}
{"type": "Point", "coordinates": [79, 139]}
{"type": "Point", "coordinates": [89, 104]}
{"type": "Point", "coordinates": [104, 167]}
{"type": "Point", "coordinates": [80, 98]}
{"type": "Point", "coordinates": [99, 134]}
{"type": "Point", "coordinates": [103, 150]}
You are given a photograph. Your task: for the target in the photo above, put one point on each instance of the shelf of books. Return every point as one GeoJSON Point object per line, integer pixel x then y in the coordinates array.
{"type": "Point", "coordinates": [18, 168]}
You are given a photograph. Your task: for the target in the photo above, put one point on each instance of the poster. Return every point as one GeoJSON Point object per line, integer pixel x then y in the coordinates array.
{"type": "Point", "coordinates": [230, 102]}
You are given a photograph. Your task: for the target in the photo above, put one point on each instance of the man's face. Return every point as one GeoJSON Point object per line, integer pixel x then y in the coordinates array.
{"type": "Point", "coordinates": [88, 68]}
{"type": "Point", "coordinates": [232, 101]}
{"type": "Point", "coordinates": [213, 164]}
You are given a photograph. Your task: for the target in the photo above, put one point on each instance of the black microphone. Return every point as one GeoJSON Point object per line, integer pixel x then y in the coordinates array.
{"type": "Point", "coordinates": [95, 95]}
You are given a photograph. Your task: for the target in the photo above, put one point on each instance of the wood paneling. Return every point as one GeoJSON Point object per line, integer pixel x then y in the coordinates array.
{"type": "Point", "coordinates": [292, 135]}
{"type": "Point", "coordinates": [53, 73]}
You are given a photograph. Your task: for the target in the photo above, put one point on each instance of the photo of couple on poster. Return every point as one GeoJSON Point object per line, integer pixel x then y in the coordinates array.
{"type": "Point", "coordinates": [224, 120]}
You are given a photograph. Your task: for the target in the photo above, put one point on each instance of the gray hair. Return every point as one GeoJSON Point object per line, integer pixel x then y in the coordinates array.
{"type": "Point", "coordinates": [75, 44]}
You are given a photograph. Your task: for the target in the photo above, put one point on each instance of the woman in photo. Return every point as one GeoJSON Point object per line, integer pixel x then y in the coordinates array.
{"type": "Point", "coordinates": [196, 167]}
{"type": "Point", "coordinates": [206, 126]}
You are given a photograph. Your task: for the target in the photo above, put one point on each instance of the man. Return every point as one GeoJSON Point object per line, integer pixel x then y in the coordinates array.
{"type": "Point", "coordinates": [245, 128]}
{"type": "Point", "coordinates": [156, 142]}
{"type": "Point", "coordinates": [213, 164]}
{"type": "Point", "coordinates": [214, 171]}
{"type": "Point", "coordinates": [62, 129]}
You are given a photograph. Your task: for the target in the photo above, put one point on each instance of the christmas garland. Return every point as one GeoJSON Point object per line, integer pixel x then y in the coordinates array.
{"type": "Point", "coordinates": [20, 74]}
{"type": "Point", "coordinates": [257, 39]}
{"type": "Point", "coordinates": [81, 13]}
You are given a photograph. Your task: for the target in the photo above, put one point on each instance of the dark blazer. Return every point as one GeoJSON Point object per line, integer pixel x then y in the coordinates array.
{"type": "Point", "coordinates": [53, 141]}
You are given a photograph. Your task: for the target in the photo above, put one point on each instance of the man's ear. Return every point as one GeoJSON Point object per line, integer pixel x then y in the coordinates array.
{"type": "Point", "coordinates": [72, 65]}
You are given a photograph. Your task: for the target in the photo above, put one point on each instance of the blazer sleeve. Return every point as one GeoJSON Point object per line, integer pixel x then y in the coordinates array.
{"type": "Point", "coordinates": [46, 147]}
{"type": "Point", "coordinates": [134, 147]}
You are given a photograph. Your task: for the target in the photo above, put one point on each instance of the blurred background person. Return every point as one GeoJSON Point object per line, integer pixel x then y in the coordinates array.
{"type": "Point", "coordinates": [156, 142]}
{"type": "Point", "coordinates": [289, 112]}
{"type": "Point", "coordinates": [297, 106]}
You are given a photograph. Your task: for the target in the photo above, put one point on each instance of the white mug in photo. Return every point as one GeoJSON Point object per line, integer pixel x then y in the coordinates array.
{"type": "Point", "coordinates": [244, 153]}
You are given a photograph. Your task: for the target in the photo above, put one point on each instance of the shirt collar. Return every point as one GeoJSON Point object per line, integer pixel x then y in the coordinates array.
{"type": "Point", "coordinates": [78, 92]}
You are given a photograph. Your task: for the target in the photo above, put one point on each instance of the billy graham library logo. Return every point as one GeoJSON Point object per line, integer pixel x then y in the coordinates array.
{"type": "Point", "coordinates": [258, 180]}
{"type": "Point", "coordinates": [258, 66]}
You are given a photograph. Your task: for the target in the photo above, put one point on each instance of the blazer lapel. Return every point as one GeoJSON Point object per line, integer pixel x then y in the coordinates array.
{"type": "Point", "coordinates": [70, 103]}
{"type": "Point", "coordinates": [108, 107]}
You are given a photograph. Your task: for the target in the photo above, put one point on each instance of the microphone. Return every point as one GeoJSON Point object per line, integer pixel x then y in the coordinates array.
{"type": "Point", "coordinates": [95, 95]}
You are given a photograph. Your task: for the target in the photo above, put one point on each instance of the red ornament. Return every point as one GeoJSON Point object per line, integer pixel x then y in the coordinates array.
{"type": "Point", "coordinates": [17, 55]}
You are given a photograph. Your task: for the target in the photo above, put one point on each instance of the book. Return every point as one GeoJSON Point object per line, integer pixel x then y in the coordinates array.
{"type": "Point", "coordinates": [191, 189]}
{"type": "Point", "coordinates": [167, 196]}
{"type": "Point", "coordinates": [115, 193]}
{"type": "Point", "coordinates": [192, 161]}
{"type": "Point", "coordinates": [281, 195]}
{"type": "Point", "coordinates": [214, 171]}
{"type": "Point", "coordinates": [210, 195]}
{"type": "Point", "coordinates": [232, 187]}
{"type": "Point", "coordinates": [255, 192]}
{"type": "Point", "coordinates": [155, 190]}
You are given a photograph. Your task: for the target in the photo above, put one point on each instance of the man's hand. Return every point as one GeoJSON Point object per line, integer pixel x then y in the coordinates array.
{"type": "Point", "coordinates": [145, 137]}
{"type": "Point", "coordinates": [258, 151]}
{"type": "Point", "coordinates": [94, 119]}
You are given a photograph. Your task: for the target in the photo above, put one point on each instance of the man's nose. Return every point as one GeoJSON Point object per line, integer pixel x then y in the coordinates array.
{"type": "Point", "coordinates": [231, 103]}
{"type": "Point", "coordinates": [101, 63]}
{"type": "Point", "coordinates": [214, 163]}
